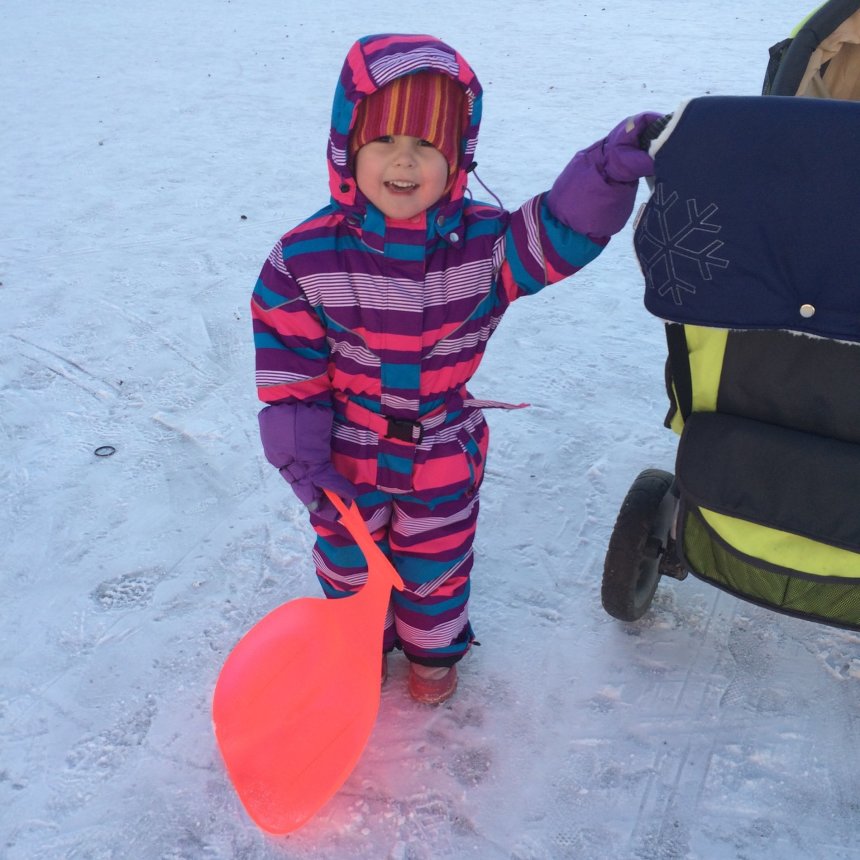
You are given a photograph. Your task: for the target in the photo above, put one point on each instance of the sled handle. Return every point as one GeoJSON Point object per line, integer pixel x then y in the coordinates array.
{"type": "Point", "coordinates": [353, 522]}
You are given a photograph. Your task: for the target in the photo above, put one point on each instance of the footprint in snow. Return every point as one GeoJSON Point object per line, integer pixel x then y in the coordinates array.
{"type": "Point", "coordinates": [127, 591]}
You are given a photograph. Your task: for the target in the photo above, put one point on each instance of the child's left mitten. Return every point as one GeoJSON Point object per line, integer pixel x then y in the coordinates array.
{"type": "Point", "coordinates": [595, 193]}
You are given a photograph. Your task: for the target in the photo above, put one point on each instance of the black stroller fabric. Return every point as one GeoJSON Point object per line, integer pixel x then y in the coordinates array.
{"type": "Point", "coordinates": [795, 67]}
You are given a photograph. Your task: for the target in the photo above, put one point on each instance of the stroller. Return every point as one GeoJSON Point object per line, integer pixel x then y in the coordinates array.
{"type": "Point", "coordinates": [750, 250]}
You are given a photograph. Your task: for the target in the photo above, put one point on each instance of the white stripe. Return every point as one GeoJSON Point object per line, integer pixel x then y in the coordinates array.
{"type": "Point", "coordinates": [358, 353]}
{"type": "Point", "coordinates": [430, 587]}
{"type": "Point", "coordinates": [451, 345]}
{"type": "Point", "coordinates": [438, 637]}
{"type": "Point", "coordinates": [354, 434]}
{"type": "Point", "coordinates": [338, 156]}
{"type": "Point", "coordinates": [458, 282]}
{"type": "Point", "coordinates": [385, 69]}
{"type": "Point", "coordinates": [533, 230]}
{"type": "Point", "coordinates": [380, 519]}
{"type": "Point", "coordinates": [345, 289]}
{"type": "Point", "coordinates": [391, 401]}
{"type": "Point", "coordinates": [351, 579]}
{"type": "Point", "coordinates": [415, 526]}
{"type": "Point", "coordinates": [451, 433]}
{"type": "Point", "coordinates": [276, 258]}
{"type": "Point", "coordinates": [499, 253]}
{"type": "Point", "coordinates": [279, 377]}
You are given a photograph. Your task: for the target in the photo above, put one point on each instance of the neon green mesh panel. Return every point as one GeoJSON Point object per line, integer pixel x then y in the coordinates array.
{"type": "Point", "coordinates": [828, 602]}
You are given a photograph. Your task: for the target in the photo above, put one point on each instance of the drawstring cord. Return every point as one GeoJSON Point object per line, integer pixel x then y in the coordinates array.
{"type": "Point", "coordinates": [500, 205]}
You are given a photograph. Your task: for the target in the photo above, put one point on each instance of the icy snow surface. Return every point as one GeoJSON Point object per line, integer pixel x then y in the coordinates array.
{"type": "Point", "coordinates": [151, 153]}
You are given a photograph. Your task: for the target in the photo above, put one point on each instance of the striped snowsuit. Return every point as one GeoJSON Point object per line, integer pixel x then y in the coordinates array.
{"type": "Point", "coordinates": [386, 322]}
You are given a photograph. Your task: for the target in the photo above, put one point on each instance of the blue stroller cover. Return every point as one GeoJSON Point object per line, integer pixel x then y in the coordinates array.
{"type": "Point", "coordinates": [755, 217]}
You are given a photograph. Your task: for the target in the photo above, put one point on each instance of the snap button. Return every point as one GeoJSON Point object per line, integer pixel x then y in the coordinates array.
{"type": "Point", "coordinates": [806, 311]}
{"type": "Point", "coordinates": [440, 220]}
{"type": "Point", "coordinates": [454, 237]}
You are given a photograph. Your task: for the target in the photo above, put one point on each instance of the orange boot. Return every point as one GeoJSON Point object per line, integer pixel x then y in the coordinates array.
{"type": "Point", "coordinates": [432, 685]}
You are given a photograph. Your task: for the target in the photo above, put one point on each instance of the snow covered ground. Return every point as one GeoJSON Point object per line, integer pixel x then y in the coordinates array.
{"type": "Point", "coordinates": [151, 154]}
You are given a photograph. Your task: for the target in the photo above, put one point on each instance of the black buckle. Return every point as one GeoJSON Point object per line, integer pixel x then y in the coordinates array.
{"type": "Point", "coordinates": [403, 430]}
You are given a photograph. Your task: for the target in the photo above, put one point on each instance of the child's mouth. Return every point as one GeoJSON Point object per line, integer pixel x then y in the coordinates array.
{"type": "Point", "coordinates": [399, 186]}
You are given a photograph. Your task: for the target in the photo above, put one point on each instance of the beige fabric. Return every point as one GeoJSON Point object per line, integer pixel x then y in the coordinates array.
{"type": "Point", "coordinates": [841, 79]}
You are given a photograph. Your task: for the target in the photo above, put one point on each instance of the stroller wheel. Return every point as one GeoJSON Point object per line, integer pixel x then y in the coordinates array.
{"type": "Point", "coordinates": [631, 570]}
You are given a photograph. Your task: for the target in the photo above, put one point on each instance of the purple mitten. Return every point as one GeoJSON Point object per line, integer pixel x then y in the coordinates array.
{"type": "Point", "coordinates": [297, 441]}
{"type": "Point", "coordinates": [595, 193]}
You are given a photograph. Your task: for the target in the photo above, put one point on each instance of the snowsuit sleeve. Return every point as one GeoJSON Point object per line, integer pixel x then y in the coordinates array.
{"type": "Point", "coordinates": [537, 249]}
{"type": "Point", "coordinates": [292, 353]}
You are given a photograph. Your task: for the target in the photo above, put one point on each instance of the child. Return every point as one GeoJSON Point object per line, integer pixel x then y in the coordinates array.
{"type": "Point", "coordinates": [371, 316]}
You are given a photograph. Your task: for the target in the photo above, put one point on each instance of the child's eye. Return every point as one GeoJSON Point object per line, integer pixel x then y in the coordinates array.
{"type": "Point", "coordinates": [386, 138]}
{"type": "Point", "coordinates": [423, 142]}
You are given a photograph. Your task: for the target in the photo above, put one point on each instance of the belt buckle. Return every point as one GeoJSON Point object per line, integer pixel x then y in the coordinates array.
{"type": "Point", "coordinates": [403, 430]}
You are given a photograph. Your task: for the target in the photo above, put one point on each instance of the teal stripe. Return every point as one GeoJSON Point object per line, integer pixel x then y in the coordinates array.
{"type": "Point", "coordinates": [321, 244]}
{"type": "Point", "coordinates": [342, 110]}
{"type": "Point", "coordinates": [400, 465]}
{"type": "Point", "coordinates": [486, 307]}
{"type": "Point", "coordinates": [264, 340]}
{"type": "Point", "coordinates": [349, 556]}
{"type": "Point", "coordinates": [404, 377]}
{"type": "Point", "coordinates": [575, 248]}
{"type": "Point", "coordinates": [269, 298]}
{"type": "Point", "coordinates": [407, 253]}
{"type": "Point", "coordinates": [368, 403]}
{"type": "Point", "coordinates": [521, 276]}
{"type": "Point", "coordinates": [438, 500]}
{"type": "Point", "coordinates": [432, 608]}
{"type": "Point", "coordinates": [307, 352]}
{"type": "Point", "coordinates": [484, 227]}
{"type": "Point", "coordinates": [456, 648]}
{"type": "Point", "coordinates": [421, 570]}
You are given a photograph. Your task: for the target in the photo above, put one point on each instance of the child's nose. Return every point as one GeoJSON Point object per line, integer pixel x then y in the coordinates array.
{"type": "Point", "coordinates": [405, 153]}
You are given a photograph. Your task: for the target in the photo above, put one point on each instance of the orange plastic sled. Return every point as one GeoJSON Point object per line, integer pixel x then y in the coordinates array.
{"type": "Point", "coordinates": [297, 698]}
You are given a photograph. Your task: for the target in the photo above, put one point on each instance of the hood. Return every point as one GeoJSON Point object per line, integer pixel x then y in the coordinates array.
{"type": "Point", "coordinates": [375, 61]}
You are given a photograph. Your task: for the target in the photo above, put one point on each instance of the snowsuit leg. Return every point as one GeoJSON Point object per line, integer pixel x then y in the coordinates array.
{"type": "Point", "coordinates": [430, 546]}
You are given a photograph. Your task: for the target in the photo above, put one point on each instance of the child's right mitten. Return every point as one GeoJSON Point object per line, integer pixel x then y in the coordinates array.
{"type": "Point", "coordinates": [297, 441]}
{"type": "Point", "coordinates": [595, 193]}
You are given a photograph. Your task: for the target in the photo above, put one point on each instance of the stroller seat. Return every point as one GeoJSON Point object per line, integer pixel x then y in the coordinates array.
{"type": "Point", "coordinates": [750, 250]}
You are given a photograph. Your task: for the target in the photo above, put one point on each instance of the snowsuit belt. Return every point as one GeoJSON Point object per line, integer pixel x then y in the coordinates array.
{"type": "Point", "coordinates": [399, 438]}
{"type": "Point", "coordinates": [409, 430]}
{"type": "Point", "coordinates": [401, 429]}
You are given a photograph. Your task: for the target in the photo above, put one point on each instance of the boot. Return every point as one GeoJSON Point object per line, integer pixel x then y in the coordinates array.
{"type": "Point", "coordinates": [432, 685]}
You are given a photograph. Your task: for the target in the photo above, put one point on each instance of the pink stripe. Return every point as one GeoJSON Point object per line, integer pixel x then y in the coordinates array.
{"type": "Point", "coordinates": [360, 75]}
{"type": "Point", "coordinates": [287, 323]}
{"type": "Point", "coordinates": [301, 391]}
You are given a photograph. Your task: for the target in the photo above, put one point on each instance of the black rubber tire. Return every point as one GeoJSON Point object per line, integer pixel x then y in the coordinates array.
{"type": "Point", "coordinates": [631, 571]}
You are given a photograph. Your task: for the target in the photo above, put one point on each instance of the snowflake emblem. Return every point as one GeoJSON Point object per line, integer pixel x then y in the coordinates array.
{"type": "Point", "coordinates": [677, 249]}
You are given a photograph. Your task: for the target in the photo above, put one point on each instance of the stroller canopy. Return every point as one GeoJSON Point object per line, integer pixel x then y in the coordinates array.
{"type": "Point", "coordinates": [822, 57]}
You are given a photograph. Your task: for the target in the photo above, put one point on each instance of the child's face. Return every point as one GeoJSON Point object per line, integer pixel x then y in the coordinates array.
{"type": "Point", "coordinates": [402, 176]}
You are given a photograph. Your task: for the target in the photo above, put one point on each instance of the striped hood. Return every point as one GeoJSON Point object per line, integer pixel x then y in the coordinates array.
{"type": "Point", "coordinates": [375, 61]}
